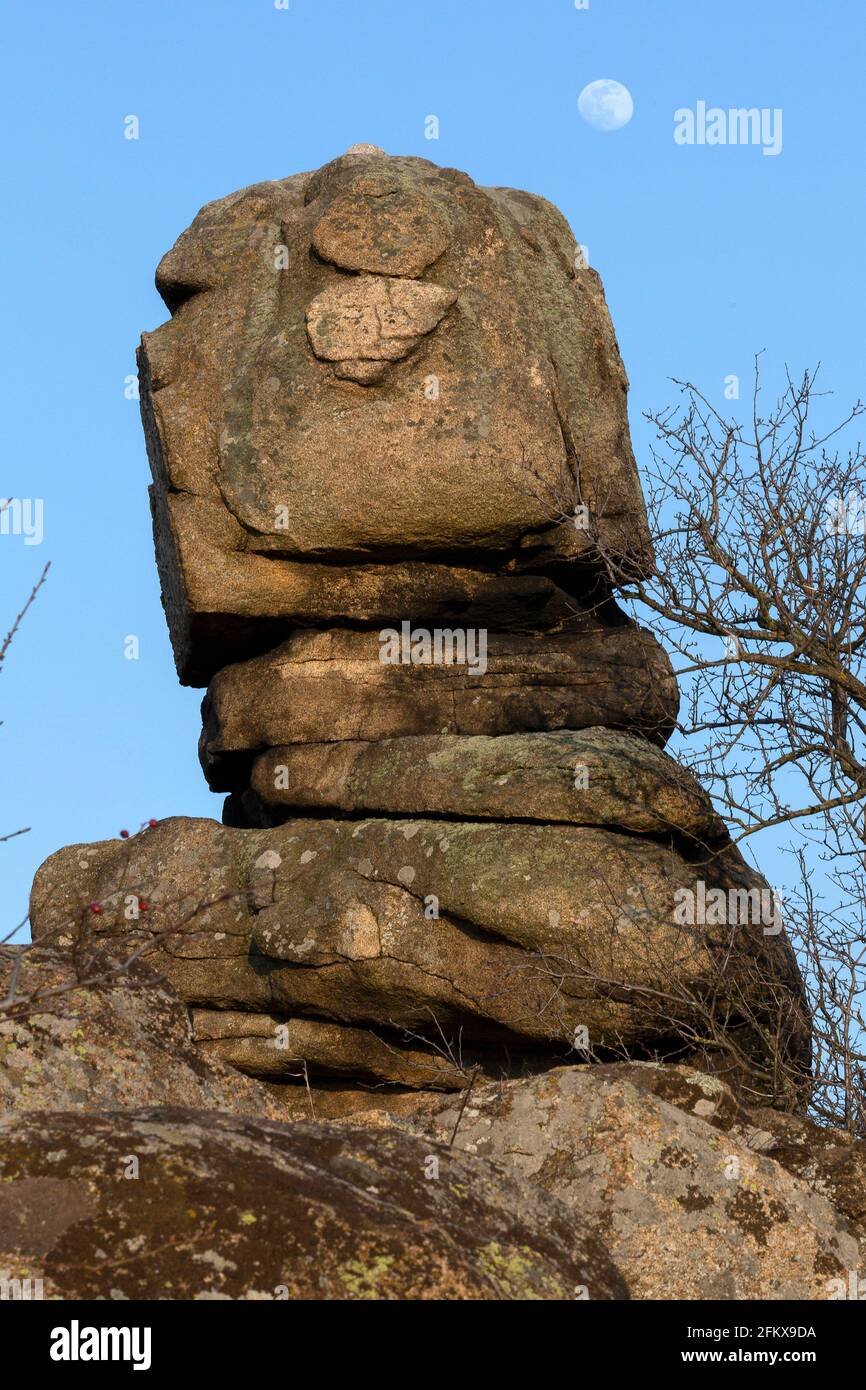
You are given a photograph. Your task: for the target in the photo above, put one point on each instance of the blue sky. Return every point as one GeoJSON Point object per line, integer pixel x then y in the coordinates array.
{"type": "Point", "coordinates": [708, 254]}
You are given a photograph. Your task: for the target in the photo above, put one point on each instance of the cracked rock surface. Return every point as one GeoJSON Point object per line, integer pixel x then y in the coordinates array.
{"type": "Point", "coordinates": [503, 936]}
{"type": "Point", "coordinates": [461, 902]}
{"type": "Point", "coordinates": [334, 686]}
{"type": "Point", "coordinates": [594, 776]}
{"type": "Point", "coordinates": [691, 1206]}
{"type": "Point", "coordinates": [376, 361]}
{"type": "Point", "coordinates": [223, 1207]}
{"type": "Point", "coordinates": [80, 1038]}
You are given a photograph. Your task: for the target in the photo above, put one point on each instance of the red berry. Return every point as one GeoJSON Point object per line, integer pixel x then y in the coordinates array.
{"type": "Point", "coordinates": [124, 834]}
{"type": "Point", "coordinates": [152, 822]}
{"type": "Point", "coordinates": [97, 909]}
{"type": "Point", "coordinates": [143, 906]}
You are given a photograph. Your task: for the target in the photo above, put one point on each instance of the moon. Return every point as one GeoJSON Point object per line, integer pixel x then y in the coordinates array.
{"type": "Point", "coordinates": [606, 105]}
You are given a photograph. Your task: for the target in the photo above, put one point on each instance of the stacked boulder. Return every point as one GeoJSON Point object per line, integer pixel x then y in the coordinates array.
{"type": "Point", "coordinates": [388, 433]}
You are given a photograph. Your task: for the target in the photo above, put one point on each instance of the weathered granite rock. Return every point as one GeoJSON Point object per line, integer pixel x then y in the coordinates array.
{"type": "Point", "coordinates": [226, 1208]}
{"type": "Point", "coordinates": [363, 324]}
{"type": "Point", "coordinates": [269, 1045]}
{"type": "Point", "coordinates": [388, 399]}
{"type": "Point", "coordinates": [226, 603]}
{"type": "Point", "coordinates": [459, 390]}
{"type": "Point", "coordinates": [87, 1037]}
{"type": "Point", "coordinates": [593, 776]}
{"type": "Point", "coordinates": [196, 926]}
{"type": "Point", "coordinates": [324, 687]}
{"type": "Point", "coordinates": [504, 935]}
{"type": "Point", "coordinates": [827, 1160]}
{"type": "Point", "coordinates": [686, 1210]}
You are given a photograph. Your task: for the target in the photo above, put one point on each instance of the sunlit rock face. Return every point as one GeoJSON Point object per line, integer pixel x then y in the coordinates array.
{"type": "Point", "coordinates": [382, 389]}
{"type": "Point", "coordinates": [388, 430]}
{"type": "Point", "coordinates": [459, 888]}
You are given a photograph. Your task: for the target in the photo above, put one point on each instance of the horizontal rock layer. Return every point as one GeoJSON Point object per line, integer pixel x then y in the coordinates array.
{"type": "Point", "coordinates": [226, 603]}
{"type": "Point", "coordinates": [268, 1045]}
{"type": "Point", "coordinates": [594, 776]}
{"type": "Point", "coordinates": [325, 687]}
{"type": "Point", "coordinates": [487, 934]}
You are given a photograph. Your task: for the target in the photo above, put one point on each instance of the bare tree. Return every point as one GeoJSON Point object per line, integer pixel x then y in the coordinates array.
{"type": "Point", "coordinates": [4, 649]}
{"type": "Point", "coordinates": [760, 590]}
{"type": "Point", "coordinates": [90, 963]}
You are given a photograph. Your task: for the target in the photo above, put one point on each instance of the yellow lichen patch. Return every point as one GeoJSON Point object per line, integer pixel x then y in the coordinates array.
{"type": "Point", "coordinates": [518, 1272]}
{"type": "Point", "coordinates": [362, 1280]}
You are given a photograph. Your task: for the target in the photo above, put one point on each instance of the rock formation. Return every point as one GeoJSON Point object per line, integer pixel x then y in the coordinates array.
{"type": "Point", "coordinates": [631, 1179]}
{"type": "Point", "coordinates": [692, 1195]}
{"type": "Point", "coordinates": [375, 379]}
{"type": "Point", "coordinates": [388, 434]}
{"type": "Point", "coordinates": [226, 1208]}
{"type": "Point", "coordinates": [422, 948]}
{"type": "Point", "coordinates": [387, 398]}
{"type": "Point", "coordinates": [78, 1039]}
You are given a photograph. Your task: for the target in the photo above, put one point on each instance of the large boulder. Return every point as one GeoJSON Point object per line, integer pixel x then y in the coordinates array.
{"type": "Point", "coordinates": [87, 1034]}
{"type": "Point", "coordinates": [594, 776]}
{"type": "Point", "coordinates": [326, 687]}
{"type": "Point", "coordinates": [183, 1204]}
{"type": "Point", "coordinates": [377, 362]}
{"type": "Point", "coordinates": [687, 1209]}
{"type": "Point", "coordinates": [509, 936]}
{"type": "Point", "coordinates": [830, 1161]}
